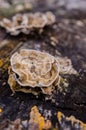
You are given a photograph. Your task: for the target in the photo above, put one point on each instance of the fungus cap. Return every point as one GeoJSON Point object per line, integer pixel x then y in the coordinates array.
{"type": "Point", "coordinates": [34, 69]}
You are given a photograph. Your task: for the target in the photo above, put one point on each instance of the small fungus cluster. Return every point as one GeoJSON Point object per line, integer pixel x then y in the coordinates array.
{"type": "Point", "coordinates": [26, 23]}
{"type": "Point", "coordinates": [33, 71]}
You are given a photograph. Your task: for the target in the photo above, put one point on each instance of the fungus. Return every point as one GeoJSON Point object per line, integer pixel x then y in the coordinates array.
{"type": "Point", "coordinates": [27, 22]}
{"type": "Point", "coordinates": [33, 71]}
{"type": "Point", "coordinates": [66, 66]}
{"type": "Point", "coordinates": [50, 18]}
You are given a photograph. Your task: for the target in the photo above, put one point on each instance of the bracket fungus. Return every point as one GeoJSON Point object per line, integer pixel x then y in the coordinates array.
{"type": "Point", "coordinates": [33, 71]}
{"type": "Point", "coordinates": [26, 23]}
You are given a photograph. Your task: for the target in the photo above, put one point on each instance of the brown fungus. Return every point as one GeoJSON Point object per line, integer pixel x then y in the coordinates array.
{"type": "Point", "coordinates": [33, 71]}
{"type": "Point", "coordinates": [26, 23]}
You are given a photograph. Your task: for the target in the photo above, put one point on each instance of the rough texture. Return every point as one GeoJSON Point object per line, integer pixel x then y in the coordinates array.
{"type": "Point", "coordinates": [67, 37]}
{"type": "Point", "coordinates": [38, 122]}
{"type": "Point", "coordinates": [70, 123]}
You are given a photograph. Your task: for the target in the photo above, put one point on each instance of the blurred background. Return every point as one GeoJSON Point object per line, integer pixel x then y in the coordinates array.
{"type": "Point", "coordinates": [8, 7]}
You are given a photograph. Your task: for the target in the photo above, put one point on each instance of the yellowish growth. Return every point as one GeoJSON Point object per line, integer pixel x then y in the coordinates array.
{"type": "Point", "coordinates": [1, 63]}
{"type": "Point", "coordinates": [1, 110]}
{"type": "Point", "coordinates": [5, 62]}
{"type": "Point", "coordinates": [72, 119]}
{"type": "Point", "coordinates": [59, 114]}
{"type": "Point", "coordinates": [36, 117]}
{"type": "Point", "coordinates": [12, 82]}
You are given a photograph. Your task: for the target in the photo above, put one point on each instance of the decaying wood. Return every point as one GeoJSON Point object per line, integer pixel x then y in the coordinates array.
{"type": "Point", "coordinates": [66, 38]}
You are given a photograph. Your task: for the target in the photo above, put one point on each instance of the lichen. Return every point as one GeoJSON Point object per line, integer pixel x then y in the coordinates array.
{"type": "Point", "coordinates": [37, 118]}
{"type": "Point", "coordinates": [38, 122]}
{"type": "Point", "coordinates": [74, 123]}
